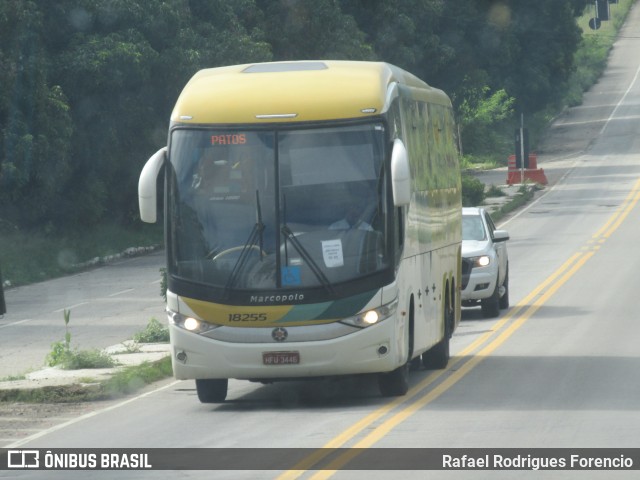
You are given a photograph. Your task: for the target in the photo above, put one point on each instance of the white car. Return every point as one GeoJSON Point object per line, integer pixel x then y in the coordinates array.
{"type": "Point", "coordinates": [485, 264]}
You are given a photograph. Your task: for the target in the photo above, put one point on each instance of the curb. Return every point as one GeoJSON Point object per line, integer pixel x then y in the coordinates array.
{"type": "Point", "coordinates": [53, 384]}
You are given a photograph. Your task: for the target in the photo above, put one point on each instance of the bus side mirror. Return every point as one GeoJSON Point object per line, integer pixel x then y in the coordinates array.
{"type": "Point", "coordinates": [147, 195]}
{"type": "Point", "coordinates": [400, 174]}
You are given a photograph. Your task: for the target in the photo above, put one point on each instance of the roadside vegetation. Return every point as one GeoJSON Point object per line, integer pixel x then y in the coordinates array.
{"type": "Point", "coordinates": [155, 332]}
{"type": "Point", "coordinates": [123, 381]}
{"type": "Point", "coordinates": [67, 358]}
{"type": "Point", "coordinates": [91, 98]}
{"type": "Point", "coordinates": [28, 256]}
{"type": "Point", "coordinates": [589, 61]}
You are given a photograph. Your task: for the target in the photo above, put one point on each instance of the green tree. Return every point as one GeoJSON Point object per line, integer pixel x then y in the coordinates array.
{"type": "Point", "coordinates": [35, 127]}
{"type": "Point", "coordinates": [527, 48]}
{"type": "Point", "coordinates": [484, 121]}
{"type": "Point", "coordinates": [312, 30]}
{"type": "Point", "coordinates": [87, 86]}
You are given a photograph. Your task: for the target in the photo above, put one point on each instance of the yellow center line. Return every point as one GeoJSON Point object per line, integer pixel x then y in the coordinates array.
{"type": "Point", "coordinates": [628, 203]}
{"type": "Point", "coordinates": [623, 215]}
{"type": "Point", "coordinates": [404, 414]}
{"type": "Point", "coordinates": [351, 432]}
{"type": "Point", "coordinates": [530, 304]}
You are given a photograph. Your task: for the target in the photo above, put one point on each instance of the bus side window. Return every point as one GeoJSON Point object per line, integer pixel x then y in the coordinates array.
{"type": "Point", "coordinates": [398, 233]}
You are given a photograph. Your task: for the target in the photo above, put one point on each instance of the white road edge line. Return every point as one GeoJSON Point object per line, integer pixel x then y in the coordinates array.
{"type": "Point", "coordinates": [70, 307]}
{"type": "Point", "coordinates": [15, 323]}
{"type": "Point", "coordinates": [559, 182]}
{"type": "Point", "coordinates": [42, 433]}
{"type": "Point", "coordinates": [604, 127]}
{"type": "Point", "coordinates": [120, 292]}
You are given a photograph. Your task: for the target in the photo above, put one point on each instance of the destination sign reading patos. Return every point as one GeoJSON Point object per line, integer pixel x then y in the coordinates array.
{"type": "Point", "coordinates": [229, 139]}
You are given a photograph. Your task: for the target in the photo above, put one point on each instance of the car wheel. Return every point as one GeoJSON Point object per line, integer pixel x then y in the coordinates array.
{"type": "Point", "coordinates": [212, 390]}
{"type": "Point", "coordinates": [504, 299]}
{"type": "Point", "coordinates": [491, 306]}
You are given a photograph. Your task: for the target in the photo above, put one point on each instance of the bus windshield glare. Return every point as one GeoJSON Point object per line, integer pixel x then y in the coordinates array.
{"type": "Point", "coordinates": [286, 209]}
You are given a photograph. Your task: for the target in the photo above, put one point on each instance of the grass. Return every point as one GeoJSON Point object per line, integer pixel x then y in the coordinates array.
{"type": "Point", "coordinates": [494, 191]}
{"type": "Point", "coordinates": [154, 332]}
{"type": "Point", "coordinates": [28, 257]}
{"type": "Point", "coordinates": [80, 359]}
{"type": "Point", "coordinates": [13, 378]}
{"type": "Point", "coordinates": [591, 57]}
{"type": "Point", "coordinates": [525, 194]}
{"type": "Point", "coordinates": [124, 382]}
{"type": "Point", "coordinates": [131, 379]}
{"type": "Point", "coordinates": [478, 162]}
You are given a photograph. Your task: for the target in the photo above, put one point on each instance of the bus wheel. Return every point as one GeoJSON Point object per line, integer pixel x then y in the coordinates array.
{"type": "Point", "coordinates": [394, 383]}
{"type": "Point", "coordinates": [212, 390]}
{"type": "Point", "coordinates": [437, 357]}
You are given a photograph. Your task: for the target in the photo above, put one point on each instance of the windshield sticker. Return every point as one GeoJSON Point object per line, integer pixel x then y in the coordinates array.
{"type": "Point", "coordinates": [291, 276]}
{"type": "Point", "coordinates": [332, 253]}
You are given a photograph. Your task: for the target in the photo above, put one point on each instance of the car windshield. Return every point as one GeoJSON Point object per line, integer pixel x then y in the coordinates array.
{"type": "Point", "coordinates": [473, 228]}
{"type": "Point", "coordinates": [266, 209]}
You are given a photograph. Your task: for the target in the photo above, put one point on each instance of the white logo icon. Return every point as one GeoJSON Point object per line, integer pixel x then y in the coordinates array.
{"type": "Point", "coordinates": [23, 459]}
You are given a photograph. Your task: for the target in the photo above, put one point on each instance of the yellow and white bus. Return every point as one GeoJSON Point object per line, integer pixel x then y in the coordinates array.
{"type": "Point", "coordinates": [313, 224]}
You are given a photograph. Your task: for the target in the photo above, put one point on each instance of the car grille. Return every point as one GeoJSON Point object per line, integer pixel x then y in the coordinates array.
{"type": "Point", "coordinates": [466, 266]}
{"type": "Point", "coordinates": [466, 272]}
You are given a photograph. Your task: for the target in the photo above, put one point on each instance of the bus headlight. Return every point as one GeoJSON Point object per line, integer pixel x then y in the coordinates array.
{"type": "Point", "coordinates": [373, 316]}
{"type": "Point", "coordinates": [189, 323]}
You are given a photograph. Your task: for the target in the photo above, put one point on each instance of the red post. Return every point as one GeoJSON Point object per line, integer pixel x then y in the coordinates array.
{"type": "Point", "coordinates": [533, 173]}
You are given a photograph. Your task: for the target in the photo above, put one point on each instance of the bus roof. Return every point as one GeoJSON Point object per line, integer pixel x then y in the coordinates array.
{"type": "Point", "coordinates": [296, 91]}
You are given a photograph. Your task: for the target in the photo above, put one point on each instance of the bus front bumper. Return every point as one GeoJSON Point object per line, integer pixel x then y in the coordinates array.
{"type": "Point", "coordinates": [374, 349]}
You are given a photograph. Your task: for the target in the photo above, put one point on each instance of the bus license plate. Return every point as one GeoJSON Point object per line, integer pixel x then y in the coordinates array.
{"type": "Point", "coordinates": [281, 358]}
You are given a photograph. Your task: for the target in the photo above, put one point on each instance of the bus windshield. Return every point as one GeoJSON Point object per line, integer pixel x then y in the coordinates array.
{"type": "Point", "coordinates": [285, 209]}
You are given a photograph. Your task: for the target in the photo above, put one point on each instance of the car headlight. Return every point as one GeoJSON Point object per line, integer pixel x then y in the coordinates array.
{"type": "Point", "coordinates": [190, 324]}
{"type": "Point", "coordinates": [481, 261]}
{"type": "Point", "coordinates": [373, 316]}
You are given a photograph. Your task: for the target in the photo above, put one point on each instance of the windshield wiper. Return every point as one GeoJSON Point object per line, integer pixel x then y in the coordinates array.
{"type": "Point", "coordinates": [290, 236]}
{"type": "Point", "coordinates": [256, 235]}
{"type": "Point", "coordinates": [286, 231]}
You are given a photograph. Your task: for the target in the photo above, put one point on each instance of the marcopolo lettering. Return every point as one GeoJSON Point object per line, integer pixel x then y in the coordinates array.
{"type": "Point", "coordinates": [294, 297]}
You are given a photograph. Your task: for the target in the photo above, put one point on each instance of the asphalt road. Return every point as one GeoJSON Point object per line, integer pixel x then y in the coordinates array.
{"type": "Point", "coordinates": [108, 305]}
{"type": "Point", "coordinates": [558, 369]}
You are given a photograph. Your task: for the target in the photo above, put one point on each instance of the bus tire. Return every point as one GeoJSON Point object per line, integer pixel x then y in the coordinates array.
{"type": "Point", "coordinates": [437, 357]}
{"type": "Point", "coordinates": [394, 383]}
{"type": "Point", "coordinates": [212, 390]}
